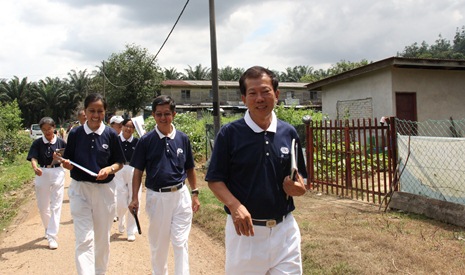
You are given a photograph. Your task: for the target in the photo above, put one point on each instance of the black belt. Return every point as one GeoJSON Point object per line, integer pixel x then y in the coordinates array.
{"type": "Point", "coordinates": [173, 188]}
{"type": "Point", "coordinates": [268, 222]}
{"type": "Point", "coordinates": [50, 166]}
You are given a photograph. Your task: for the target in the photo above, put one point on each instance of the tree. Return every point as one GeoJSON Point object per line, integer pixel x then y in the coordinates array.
{"type": "Point", "coordinates": [19, 90]}
{"type": "Point", "coordinates": [344, 66]}
{"type": "Point", "coordinates": [459, 41]}
{"type": "Point", "coordinates": [172, 74]}
{"type": "Point", "coordinates": [442, 48]}
{"type": "Point", "coordinates": [199, 73]}
{"type": "Point", "coordinates": [295, 74]}
{"type": "Point", "coordinates": [230, 74]}
{"type": "Point", "coordinates": [79, 83]}
{"type": "Point", "coordinates": [131, 79]}
{"type": "Point", "coordinates": [50, 98]}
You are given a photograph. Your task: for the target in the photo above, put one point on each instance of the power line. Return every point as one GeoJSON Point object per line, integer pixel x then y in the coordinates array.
{"type": "Point", "coordinates": [155, 57]}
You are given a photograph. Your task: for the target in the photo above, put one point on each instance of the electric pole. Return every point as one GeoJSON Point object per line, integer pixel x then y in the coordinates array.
{"type": "Point", "coordinates": [214, 71]}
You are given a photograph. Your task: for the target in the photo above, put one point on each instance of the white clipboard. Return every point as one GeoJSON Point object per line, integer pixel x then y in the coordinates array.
{"type": "Point", "coordinates": [294, 168]}
{"type": "Point", "coordinates": [81, 167]}
{"type": "Point", "coordinates": [138, 122]}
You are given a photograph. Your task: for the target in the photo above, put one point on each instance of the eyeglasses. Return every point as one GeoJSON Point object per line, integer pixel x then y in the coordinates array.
{"type": "Point", "coordinates": [165, 114]}
{"type": "Point", "coordinates": [130, 127]}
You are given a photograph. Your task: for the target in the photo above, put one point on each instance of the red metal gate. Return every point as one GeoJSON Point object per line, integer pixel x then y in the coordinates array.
{"type": "Point", "coordinates": [352, 158]}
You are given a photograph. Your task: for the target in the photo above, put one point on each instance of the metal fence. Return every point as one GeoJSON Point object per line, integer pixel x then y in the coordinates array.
{"type": "Point", "coordinates": [352, 158]}
{"type": "Point", "coordinates": [431, 158]}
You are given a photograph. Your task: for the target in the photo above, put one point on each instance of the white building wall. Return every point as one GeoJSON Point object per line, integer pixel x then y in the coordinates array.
{"type": "Point", "coordinates": [440, 93]}
{"type": "Point", "coordinates": [376, 86]}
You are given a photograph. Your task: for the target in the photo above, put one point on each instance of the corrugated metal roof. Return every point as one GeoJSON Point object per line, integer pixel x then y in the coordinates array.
{"type": "Point", "coordinates": [208, 83]}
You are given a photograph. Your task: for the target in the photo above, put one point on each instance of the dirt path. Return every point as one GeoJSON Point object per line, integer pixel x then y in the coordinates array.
{"type": "Point", "coordinates": [23, 249]}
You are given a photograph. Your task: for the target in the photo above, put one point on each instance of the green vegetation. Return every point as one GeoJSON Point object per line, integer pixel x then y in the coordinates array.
{"type": "Point", "coordinates": [13, 140]}
{"type": "Point", "coordinates": [14, 176]}
{"type": "Point", "coordinates": [441, 49]}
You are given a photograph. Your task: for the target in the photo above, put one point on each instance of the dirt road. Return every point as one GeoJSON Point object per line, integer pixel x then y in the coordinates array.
{"type": "Point", "coordinates": [23, 249]}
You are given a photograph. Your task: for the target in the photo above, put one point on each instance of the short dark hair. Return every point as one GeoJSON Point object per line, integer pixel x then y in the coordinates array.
{"type": "Point", "coordinates": [257, 72]}
{"type": "Point", "coordinates": [47, 120]}
{"type": "Point", "coordinates": [162, 100]}
{"type": "Point", "coordinates": [93, 98]}
{"type": "Point", "coordinates": [126, 120]}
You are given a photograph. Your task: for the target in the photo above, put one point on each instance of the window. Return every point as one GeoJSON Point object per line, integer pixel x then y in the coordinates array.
{"type": "Point", "coordinates": [290, 94]}
{"type": "Point", "coordinates": [185, 94]}
{"type": "Point", "coordinates": [313, 95]}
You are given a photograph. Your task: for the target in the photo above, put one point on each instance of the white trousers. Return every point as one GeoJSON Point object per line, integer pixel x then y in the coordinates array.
{"type": "Point", "coordinates": [123, 181]}
{"type": "Point", "coordinates": [170, 218]}
{"type": "Point", "coordinates": [92, 208]}
{"type": "Point", "coordinates": [49, 189]}
{"type": "Point", "coordinates": [270, 251]}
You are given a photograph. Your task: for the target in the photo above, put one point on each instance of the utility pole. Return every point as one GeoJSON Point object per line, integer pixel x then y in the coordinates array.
{"type": "Point", "coordinates": [214, 71]}
{"type": "Point", "coordinates": [103, 76]}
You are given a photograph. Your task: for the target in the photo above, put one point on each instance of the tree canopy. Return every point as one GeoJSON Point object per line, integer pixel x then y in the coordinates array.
{"type": "Point", "coordinates": [442, 49]}
{"type": "Point", "coordinates": [133, 77]}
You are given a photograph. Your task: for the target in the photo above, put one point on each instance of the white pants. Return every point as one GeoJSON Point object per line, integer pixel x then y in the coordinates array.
{"type": "Point", "coordinates": [170, 218]}
{"type": "Point", "coordinates": [123, 181]}
{"type": "Point", "coordinates": [49, 190]}
{"type": "Point", "coordinates": [92, 208]}
{"type": "Point", "coordinates": [270, 251]}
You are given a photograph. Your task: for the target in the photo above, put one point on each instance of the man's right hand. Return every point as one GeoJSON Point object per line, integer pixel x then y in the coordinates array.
{"type": "Point", "coordinates": [242, 221]}
{"type": "Point", "coordinates": [134, 205]}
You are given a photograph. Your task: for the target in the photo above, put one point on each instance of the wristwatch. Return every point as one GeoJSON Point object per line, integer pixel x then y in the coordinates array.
{"type": "Point", "coordinates": [195, 191]}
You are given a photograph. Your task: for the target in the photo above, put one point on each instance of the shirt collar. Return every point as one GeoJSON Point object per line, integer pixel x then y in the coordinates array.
{"type": "Point", "coordinates": [123, 139]}
{"type": "Point", "coordinates": [256, 128]}
{"type": "Point", "coordinates": [54, 139]}
{"type": "Point", "coordinates": [170, 135]}
{"type": "Point", "coordinates": [98, 132]}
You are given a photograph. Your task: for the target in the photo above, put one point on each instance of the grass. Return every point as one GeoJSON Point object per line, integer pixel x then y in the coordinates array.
{"type": "Point", "coordinates": [343, 236]}
{"type": "Point", "coordinates": [15, 187]}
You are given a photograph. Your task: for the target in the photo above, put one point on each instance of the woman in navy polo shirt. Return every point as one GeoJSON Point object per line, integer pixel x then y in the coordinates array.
{"type": "Point", "coordinates": [50, 178]}
{"type": "Point", "coordinates": [92, 195]}
{"type": "Point", "coordinates": [123, 181]}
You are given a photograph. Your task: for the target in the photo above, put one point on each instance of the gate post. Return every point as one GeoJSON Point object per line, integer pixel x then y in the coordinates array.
{"type": "Point", "coordinates": [348, 166]}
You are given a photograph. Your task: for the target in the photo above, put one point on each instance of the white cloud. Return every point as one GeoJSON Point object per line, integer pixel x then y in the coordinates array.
{"type": "Point", "coordinates": [50, 37]}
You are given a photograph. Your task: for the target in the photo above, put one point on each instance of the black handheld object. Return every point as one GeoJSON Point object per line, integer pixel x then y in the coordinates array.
{"type": "Point", "coordinates": [134, 213]}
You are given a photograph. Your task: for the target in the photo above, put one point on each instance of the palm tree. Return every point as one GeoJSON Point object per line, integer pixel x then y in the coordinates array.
{"type": "Point", "coordinates": [172, 74]}
{"type": "Point", "coordinates": [79, 82]}
{"type": "Point", "coordinates": [199, 73]}
{"type": "Point", "coordinates": [230, 74]}
{"type": "Point", "coordinates": [19, 90]}
{"type": "Point", "coordinates": [50, 97]}
{"type": "Point", "coordinates": [295, 74]}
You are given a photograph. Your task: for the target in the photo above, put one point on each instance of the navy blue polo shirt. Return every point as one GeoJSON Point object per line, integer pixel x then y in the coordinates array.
{"type": "Point", "coordinates": [42, 150]}
{"type": "Point", "coordinates": [253, 165]}
{"type": "Point", "coordinates": [93, 150]}
{"type": "Point", "coordinates": [129, 145]}
{"type": "Point", "coordinates": [165, 158]}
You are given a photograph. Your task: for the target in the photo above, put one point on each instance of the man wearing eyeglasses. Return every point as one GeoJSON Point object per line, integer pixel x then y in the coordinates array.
{"type": "Point", "coordinates": [166, 155]}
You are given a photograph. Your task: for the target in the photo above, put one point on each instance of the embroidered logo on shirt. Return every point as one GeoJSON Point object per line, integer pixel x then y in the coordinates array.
{"type": "Point", "coordinates": [179, 152]}
{"type": "Point", "coordinates": [105, 146]}
{"type": "Point", "coordinates": [285, 150]}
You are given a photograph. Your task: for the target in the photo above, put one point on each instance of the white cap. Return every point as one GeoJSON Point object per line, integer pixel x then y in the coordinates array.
{"type": "Point", "coordinates": [116, 119]}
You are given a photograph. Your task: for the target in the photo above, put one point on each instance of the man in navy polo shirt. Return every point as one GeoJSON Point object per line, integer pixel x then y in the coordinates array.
{"type": "Point", "coordinates": [166, 155]}
{"type": "Point", "coordinates": [249, 173]}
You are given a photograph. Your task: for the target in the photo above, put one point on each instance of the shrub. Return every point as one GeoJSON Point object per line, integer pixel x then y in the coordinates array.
{"type": "Point", "coordinates": [13, 140]}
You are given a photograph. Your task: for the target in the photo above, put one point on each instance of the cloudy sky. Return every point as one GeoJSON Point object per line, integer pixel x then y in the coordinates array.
{"type": "Point", "coordinates": [43, 38]}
